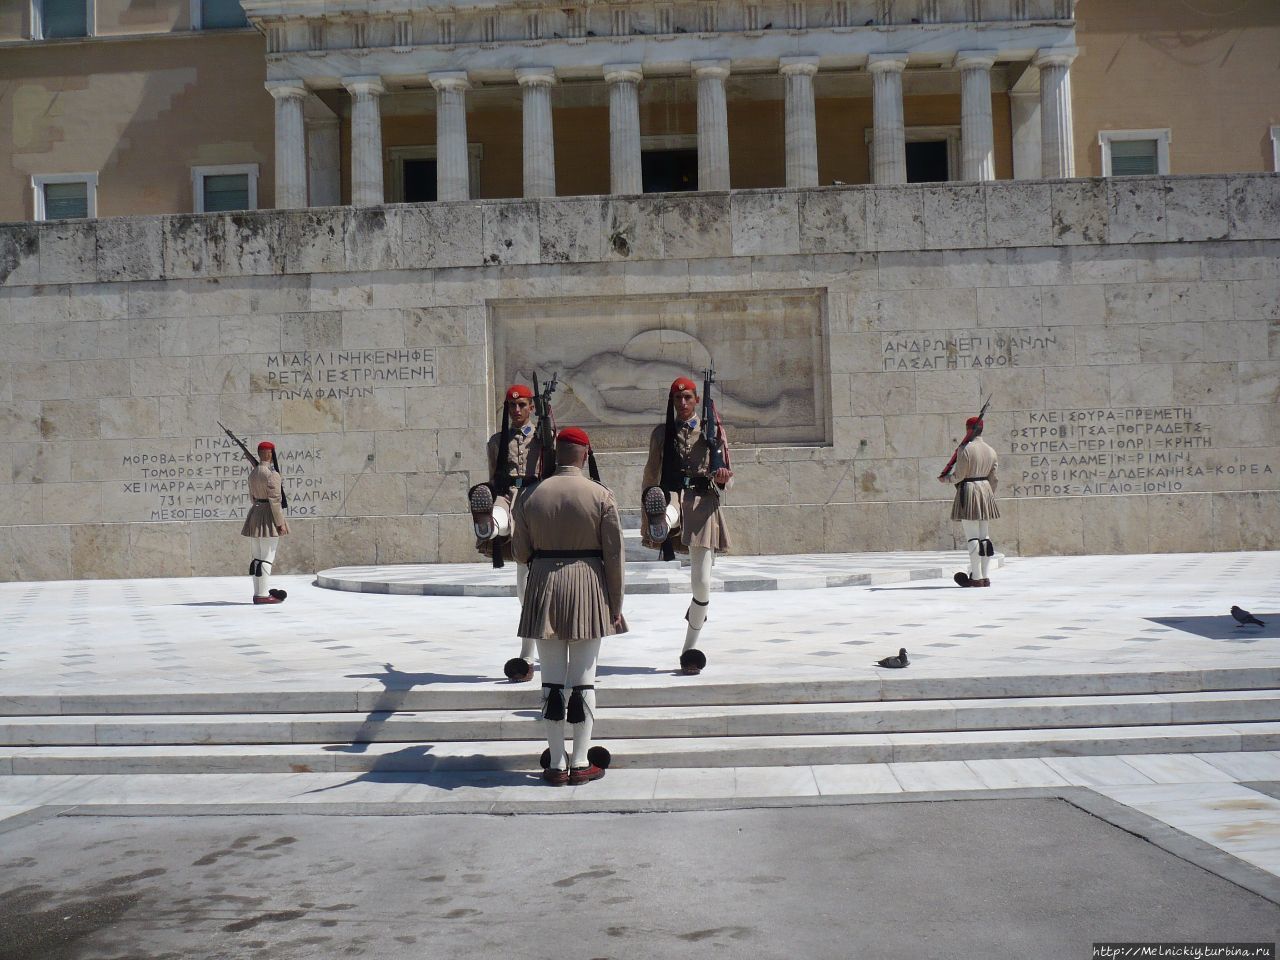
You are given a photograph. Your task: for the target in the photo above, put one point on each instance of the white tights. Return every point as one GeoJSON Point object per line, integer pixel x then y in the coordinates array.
{"type": "Point", "coordinates": [264, 549]}
{"type": "Point", "coordinates": [701, 560]}
{"type": "Point", "coordinates": [569, 665]}
{"type": "Point", "coordinates": [522, 577]}
{"type": "Point", "coordinates": [975, 531]}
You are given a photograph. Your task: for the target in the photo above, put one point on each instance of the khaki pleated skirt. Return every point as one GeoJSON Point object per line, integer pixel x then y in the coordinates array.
{"type": "Point", "coordinates": [975, 501]}
{"type": "Point", "coordinates": [258, 522]}
{"type": "Point", "coordinates": [566, 599]}
{"type": "Point", "coordinates": [701, 525]}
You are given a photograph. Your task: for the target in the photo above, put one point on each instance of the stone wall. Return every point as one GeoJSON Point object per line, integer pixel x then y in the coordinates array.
{"type": "Point", "coordinates": [1126, 330]}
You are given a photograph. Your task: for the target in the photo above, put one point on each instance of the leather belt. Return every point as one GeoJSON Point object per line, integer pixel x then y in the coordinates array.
{"type": "Point", "coordinates": [974, 479]}
{"type": "Point", "coordinates": [567, 555]}
{"type": "Point", "coordinates": [261, 501]}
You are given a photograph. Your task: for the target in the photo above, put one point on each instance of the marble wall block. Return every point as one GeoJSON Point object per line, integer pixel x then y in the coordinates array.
{"type": "Point", "coordinates": [405, 539]}
{"type": "Point", "coordinates": [19, 502]}
{"type": "Point", "coordinates": [1185, 523]}
{"type": "Point", "coordinates": [917, 435]}
{"type": "Point", "coordinates": [19, 254]}
{"type": "Point", "coordinates": [510, 233]}
{"type": "Point", "coordinates": [631, 228]}
{"type": "Point", "coordinates": [1116, 524]}
{"type": "Point", "coordinates": [249, 243]}
{"type": "Point", "coordinates": [1257, 299]}
{"type": "Point", "coordinates": [315, 240]}
{"type": "Point", "coordinates": [895, 218]}
{"type": "Point", "coordinates": [955, 216]}
{"type": "Point", "coordinates": [71, 502]}
{"type": "Point", "coordinates": [187, 249]}
{"type": "Point", "coordinates": [1136, 303]}
{"type": "Point", "coordinates": [405, 451]}
{"type": "Point", "coordinates": [1039, 266]}
{"type": "Point", "coordinates": [899, 270]}
{"type": "Point", "coordinates": [442, 235]}
{"type": "Point", "coordinates": [1196, 208]}
{"type": "Point", "coordinates": [859, 527]}
{"type": "Point", "coordinates": [1019, 213]}
{"type": "Point", "coordinates": [376, 494]}
{"type": "Point", "coordinates": [432, 493]}
{"type": "Point", "coordinates": [1259, 381]}
{"type": "Point", "coordinates": [1051, 526]}
{"type": "Point", "coordinates": [1137, 210]}
{"type": "Point", "coordinates": [130, 248]}
{"type": "Point", "coordinates": [1172, 342]}
{"type": "Point", "coordinates": [373, 240]}
{"type": "Point", "coordinates": [696, 225]}
{"type": "Point", "coordinates": [1203, 383]}
{"type": "Point", "coordinates": [1080, 211]}
{"type": "Point", "coordinates": [833, 220]}
{"type": "Point", "coordinates": [1253, 206]}
{"type": "Point", "coordinates": [789, 529]}
{"type": "Point", "coordinates": [128, 417]}
{"type": "Point", "coordinates": [765, 222]}
{"type": "Point", "coordinates": [99, 551]}
{"type": "Point", "coordinates": [1011, 306]}
{"type": "Point", "coordinates": [1208, 301]}
{"type": "Point", "coordinates": [68, 251]}
{"type": "Point", "coordinates": [35, 552]}
{"type": "Point", "coordinates": [888, 480]}
{"type": "Point", "coordinates": [45, 380]}
{"type": "Point", "coordinates": [570, 231]}
{"type": "Point", "coordinates": [1245, 521]}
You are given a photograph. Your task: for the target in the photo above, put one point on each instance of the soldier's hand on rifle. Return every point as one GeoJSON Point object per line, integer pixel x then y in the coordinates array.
{"type": "Point", "coordinates": [945, 480]}
{"type": "Point", "coordinates": [283, 529]}
{"type": "Point", "coordinates": [722, 476]}
{"type": "Point", "coordinates": [617, 622]}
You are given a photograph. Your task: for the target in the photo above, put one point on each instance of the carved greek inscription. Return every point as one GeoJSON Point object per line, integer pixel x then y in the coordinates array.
{"type": "Point", "coordinates": [344, 374]}
{"type": "Point", "coordinates": [1118, 451]}
{"type": "Point", "coordinates": [208, 482]}
{"type": "Point", "coordinates": [974, 350]}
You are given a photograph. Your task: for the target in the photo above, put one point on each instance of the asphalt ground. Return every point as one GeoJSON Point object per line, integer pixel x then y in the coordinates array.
{"type": "Point", "coordinates": [994, 878]}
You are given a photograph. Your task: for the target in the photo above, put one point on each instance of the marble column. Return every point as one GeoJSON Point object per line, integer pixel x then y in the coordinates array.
{"type": "Point", "coordinates": [977, 135]}
{"type": "Point", "coordinates": [291, 143]}
{"type": "Point", "coordinates": [1024, 113]}
{"type": "Point", "coordinates": [453, 165]}
{"type": "Point", "coordinates": [624, 127]}
{"type": "Point", "coordinates": [801, 122]}
{"type": "Point", "coordinates": [713, 124]}
{"type": "Point", "coordinates": [1057, 140]}
{"type": "Point", "coordinates": [889, 137]}
{"type": "Point", "coordinates": [366, 140]}
{"type": "Point", "coordinates": [324, 162]}
{"type": "Point", "coordinates": [539, 143]}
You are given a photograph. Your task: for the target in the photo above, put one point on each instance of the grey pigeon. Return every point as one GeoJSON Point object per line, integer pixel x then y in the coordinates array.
{"type": "Point", "coordinates": [895, 663]}
{"type": "Point", "coordinates": [1244, 616]}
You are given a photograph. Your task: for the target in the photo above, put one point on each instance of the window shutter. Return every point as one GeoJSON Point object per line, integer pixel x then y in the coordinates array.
{"type": "Point", "coordinates": [66, 201]}
{"type": "Point", "coordinates": [221, 15]}
{"type": "Point", "coordinates": [226, 191]}
{"type": "Point", "coordinates": [1134, 158]}
{"type": "Point", "coordinates": [64, 18]}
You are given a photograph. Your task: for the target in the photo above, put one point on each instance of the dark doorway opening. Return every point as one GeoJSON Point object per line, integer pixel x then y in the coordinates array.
{"type": "Point", "coordinates": [419, 181]}
{"type": "Point", "coordinates": [927, 161]}
{"type": "Point", "coordinates": [669, 171]}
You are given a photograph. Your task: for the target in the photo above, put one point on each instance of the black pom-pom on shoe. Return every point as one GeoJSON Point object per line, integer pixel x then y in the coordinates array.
{"type": "Point", "coordinates": [545, 760]}
{"type": "Point", "coordinates": [692, 662]}
{"type": "Point", "coordinates": [961, 579]}
{"type": "Point", "coordinates": [278, 594]}
{"type": "Point", "coordinates": [518, 670]}
{"type": "Point", "coordinates": [598, 756]}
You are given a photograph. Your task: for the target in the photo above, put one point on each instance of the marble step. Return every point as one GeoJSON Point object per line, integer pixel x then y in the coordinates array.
{"type": "Point", "coordinates": [703, 752]}
{"type": "Point", "coordinates": [872, 686]}
{"type": "Point", "coordinates": [760, 720]}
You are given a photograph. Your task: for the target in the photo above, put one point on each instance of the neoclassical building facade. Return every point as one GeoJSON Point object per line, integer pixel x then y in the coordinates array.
{"type": "Point", "coordinates": [193, 105]}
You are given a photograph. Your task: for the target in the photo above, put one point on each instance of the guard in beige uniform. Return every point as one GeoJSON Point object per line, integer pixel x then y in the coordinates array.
{"type": "Point", "coordinates": [514, 461]}
{"type": "Point", "coordinates": [681, 502]}
{"type": "Point", "coordinates": [265, 523]}
{"type": "Point", "coordinates": [566, 528]}
{"type": "Point", "coordinates": [973, 471]}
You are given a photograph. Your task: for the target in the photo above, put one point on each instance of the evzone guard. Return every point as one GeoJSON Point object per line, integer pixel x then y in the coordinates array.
{"type": "Point", "coordinates": [519, 454]}
{"type": "Point", "coordinates": [972, 468]}
{"type": "Point", "coordinates": [687, 472]}
{"type": "Point", "coordinates": [265, 522]}
{"type": "Point", "coordinates": [566, 529]}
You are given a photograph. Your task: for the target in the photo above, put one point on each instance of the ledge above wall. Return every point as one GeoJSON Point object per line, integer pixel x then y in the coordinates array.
{"type": "Point", "coordinates": [496, 233]}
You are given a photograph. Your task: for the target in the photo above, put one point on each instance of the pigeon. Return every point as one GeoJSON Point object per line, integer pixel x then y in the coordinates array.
{"type": "Point", "coordinates": [895, 663]}
{"type": "Point", "coordinates": [838, 183]}
{"type": "Point", "coordinates": [1244, 616]}
{"type": "Point", "coordinates": [681, 30]}
{"type": "Point", "coordinates": [591, 33]}
{"type": "Point", "coordinates": [768, 26]}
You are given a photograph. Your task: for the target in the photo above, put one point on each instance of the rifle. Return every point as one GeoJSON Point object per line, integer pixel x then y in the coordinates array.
{"type": "Point", "coordinates": [546, 424]}
{"type": "Point", "coordinates": [239, 443]}
{"type": "Point", "coordinates": [711, 422]}
{"type": "Point", "coordinates": [952, 462]}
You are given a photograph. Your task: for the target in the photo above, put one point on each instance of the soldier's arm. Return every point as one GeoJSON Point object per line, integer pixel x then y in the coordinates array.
{"type": "Point", "coordinates": [653, 466]}
{"type": "Point", "coordinates": [492, 449]}
{"type": "Point", "coordinates": [614, 551]}
{"type": "Point", "coordinates": [521, 545]}
{"type": "Point", "coordinates": [274, 485]}
{"type": "Point", "coordinates": [995, 481]}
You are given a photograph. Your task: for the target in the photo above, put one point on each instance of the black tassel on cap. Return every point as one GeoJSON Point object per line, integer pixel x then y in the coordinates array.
{"type": "Point", "coordinates": [553, 707]}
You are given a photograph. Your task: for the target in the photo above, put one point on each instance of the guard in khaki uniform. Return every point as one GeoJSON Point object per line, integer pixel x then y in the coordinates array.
{"type": "Point", "coordinates": [265, 523]}
{"type": "Point", "coordinates": [973, 471]}
{"type": "Point", "coordinates": [681, 503]}
{"type": "Point", "coordinates": [514, 463]}
{"type": "Point", "coordinates": [567, 529]}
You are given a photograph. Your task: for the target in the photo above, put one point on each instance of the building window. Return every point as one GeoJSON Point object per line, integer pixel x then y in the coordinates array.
{"type": "Point", "coordinates": [217, 15]}
{"type": "Point", "coordinates": [65, 196]}
{"type": "Point", "coordinates": [412, 173]}
{"type": "Point", "coordinates": [226, 187]}
{"type": "Point", "coordinates": [1134, 153]}
{"type": "Point", "coordinates": [51, 19]}
{"type": "Point", "coordinates": [669, 163]}
{"type": "Point", "coordinates": [933, 153]}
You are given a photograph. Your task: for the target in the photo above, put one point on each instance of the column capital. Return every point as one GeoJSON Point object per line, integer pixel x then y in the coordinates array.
{"type": "Point", "coordinates": [718, 69]}
{"type": "Point", "coordinates": [286, 89]}
{"type": "Point", "coordinates": [364, 86]}
{"type": "Point", "coordinates": [887, 62]}
{"type": "Point", "coordinates": [797, 66]}
{"type": "Point", "coordinates": [1055, 56]}
{"type": "Point", "coordinates": [623, 73]}
{"type": "Point", "coordinates": [536, 76]}
{"type": "Point", "coordinates": [449, 80]}
{"type": "Point", "coordinates": [975, 59]}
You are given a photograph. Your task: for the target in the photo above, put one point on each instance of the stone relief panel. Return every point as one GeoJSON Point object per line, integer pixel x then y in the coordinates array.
{"type": "Point", "coordinates": [616, 358]}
